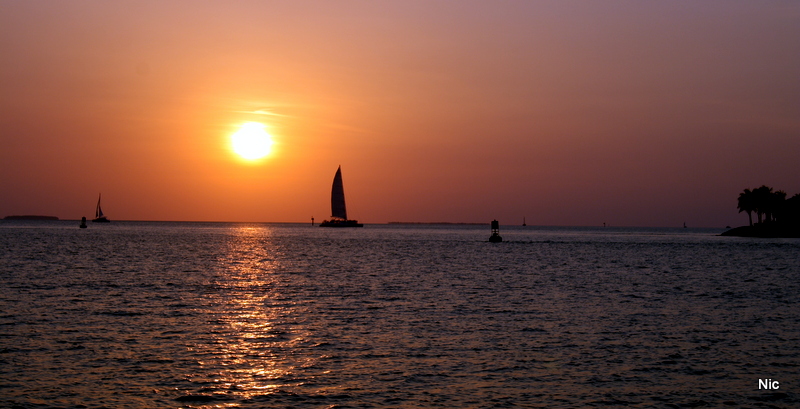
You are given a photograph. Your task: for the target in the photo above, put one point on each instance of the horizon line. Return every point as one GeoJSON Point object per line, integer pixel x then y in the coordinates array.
{"type": "Point", "coordinates": [440, 223]}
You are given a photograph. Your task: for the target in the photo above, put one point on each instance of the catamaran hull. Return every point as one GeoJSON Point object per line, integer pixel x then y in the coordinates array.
{"type": "Point", "coordinates": [341, 223]}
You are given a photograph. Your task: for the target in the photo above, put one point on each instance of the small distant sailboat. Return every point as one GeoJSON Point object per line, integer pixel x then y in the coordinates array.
{"type": "Point", "coordinates": [338, 209]}
{"type": "Point", "coordinates": [99, 217]}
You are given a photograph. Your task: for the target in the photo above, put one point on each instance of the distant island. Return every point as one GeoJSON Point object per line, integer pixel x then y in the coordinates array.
{"type": "Point", "coordinates": [778, 217]}
{"type": "Point", "coordinates": [30, 217]}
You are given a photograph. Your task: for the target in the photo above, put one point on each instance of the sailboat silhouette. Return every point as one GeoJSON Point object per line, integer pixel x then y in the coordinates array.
{"type": "Point", "coordinates": [338, 208]}
{"type": "Point", "coordinates": [99, 217]}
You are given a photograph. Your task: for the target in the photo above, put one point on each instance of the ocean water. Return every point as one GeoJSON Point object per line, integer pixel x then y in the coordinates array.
{"type": "Point", "coordinates": [218, 315]}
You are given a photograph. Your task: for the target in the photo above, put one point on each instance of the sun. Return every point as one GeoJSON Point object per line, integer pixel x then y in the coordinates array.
{"type": "Point", "coordinates": [251, 141]}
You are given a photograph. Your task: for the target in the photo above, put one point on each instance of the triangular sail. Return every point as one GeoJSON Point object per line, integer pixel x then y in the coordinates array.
{"type": "Point", "coordinates": [98, 212]}
{"type": "Point", "coordinates": [99, 217]}
{"type": "Point", "coordinates": [338, 209]}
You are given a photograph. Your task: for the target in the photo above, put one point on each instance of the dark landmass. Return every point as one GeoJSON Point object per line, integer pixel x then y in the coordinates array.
{"type": "Point", "coordinates": [30, 217]}
{"type": "Point", "coordinates": [764, 231]}
{"type": "Point", "coordinates": [470, 224]}
{"type": "Point", "coordinates": [777, 216]}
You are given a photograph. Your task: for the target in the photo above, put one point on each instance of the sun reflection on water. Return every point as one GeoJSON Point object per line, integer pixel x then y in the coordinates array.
{"type": "Point", "coordinates": [253, 327]}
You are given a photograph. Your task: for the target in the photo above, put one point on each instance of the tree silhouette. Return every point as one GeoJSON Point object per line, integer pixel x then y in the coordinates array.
{"type": "Point", "coordinates": [747, 204]}
{"type": "Point", "coordinates": [776, 205]}
{"type": "Point", "coordinates": [791, 211]}
{"type": "Point", "coordinates": [777, 216]}
{"type": "Point", "coordinates": [762, 199]}
{"type": "Point", "coordinates": [770, 206]}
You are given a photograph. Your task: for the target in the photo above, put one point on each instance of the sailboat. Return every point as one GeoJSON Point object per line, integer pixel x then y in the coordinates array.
{"type": "Point", "coordinates": [338, 209]}
{"type": "Point", "coordinates": [99, 217]}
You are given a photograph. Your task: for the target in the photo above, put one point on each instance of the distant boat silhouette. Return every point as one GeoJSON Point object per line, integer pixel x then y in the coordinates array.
{"type": "Point", "coordinates": [338, 209]}
{"type": "Point", "coordinates": [523, 221]}
{"type": "Point", "coordinates": [99, 217]}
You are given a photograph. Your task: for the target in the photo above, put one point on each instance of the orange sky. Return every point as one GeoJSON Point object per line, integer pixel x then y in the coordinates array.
{"type": "Point", "coordinates": [566, 113]}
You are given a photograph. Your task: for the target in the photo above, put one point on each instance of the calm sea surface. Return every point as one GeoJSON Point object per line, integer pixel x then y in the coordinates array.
{"type": "Point", "coordinates": [207, 315]}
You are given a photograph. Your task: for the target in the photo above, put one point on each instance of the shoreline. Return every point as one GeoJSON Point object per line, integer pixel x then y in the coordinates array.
{"type": "Point", "coordinates": [764, 231]}
{"type": "Point", "coordinates": [30, 217]}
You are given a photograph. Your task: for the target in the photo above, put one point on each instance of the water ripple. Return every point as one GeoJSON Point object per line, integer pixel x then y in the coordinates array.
{"type": "Point", "coordinates": [223, 315]}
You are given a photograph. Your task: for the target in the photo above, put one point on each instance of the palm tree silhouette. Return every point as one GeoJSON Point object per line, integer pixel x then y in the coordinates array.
{"type": "Point", "coordinates": [768, 205]}
{"type": "Point", "coordinates": [777, 215]}
{"type": "Point", "coordinates": [790, 211]}
{"type": "Point", "coordinates": [747, 204]}
{"type": "Point", "coordinates": [776, 204]}
{"type": "Point", "coordinates": [762, 200]}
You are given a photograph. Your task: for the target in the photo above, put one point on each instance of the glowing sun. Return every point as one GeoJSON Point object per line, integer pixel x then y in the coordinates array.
{"type": "Point", "coordinates": [251, 141]}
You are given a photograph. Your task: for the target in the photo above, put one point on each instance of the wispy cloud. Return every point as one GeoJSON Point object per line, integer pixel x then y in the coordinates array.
{"type": "Point", "coordinates": [263, 111]}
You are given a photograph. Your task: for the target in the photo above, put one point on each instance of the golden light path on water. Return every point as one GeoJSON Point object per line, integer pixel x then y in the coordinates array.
{"type": "Point", "coordinates": [255, 329]}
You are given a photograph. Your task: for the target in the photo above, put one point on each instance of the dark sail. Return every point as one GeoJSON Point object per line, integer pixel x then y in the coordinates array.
{"type": "Point", "coordinates": [338, 209]}
{"type": "Point", "coordinates": [98, 213]}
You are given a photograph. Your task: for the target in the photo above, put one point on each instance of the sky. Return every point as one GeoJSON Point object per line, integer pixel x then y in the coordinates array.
{"type": "Point", "coordinates": [630, 113]}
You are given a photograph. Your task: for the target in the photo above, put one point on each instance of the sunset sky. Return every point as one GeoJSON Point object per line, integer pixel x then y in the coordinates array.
{"type": "Point", "coordinates": [632, 113]}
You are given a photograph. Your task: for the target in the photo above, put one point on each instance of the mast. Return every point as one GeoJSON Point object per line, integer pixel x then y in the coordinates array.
{"type": "Point", "coordinates": [338, 209]}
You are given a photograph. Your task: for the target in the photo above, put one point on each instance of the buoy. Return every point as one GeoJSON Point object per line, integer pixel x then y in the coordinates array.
{"type": "Point", "coordinates": [83, 222]}
{"type": "Point", "coordinates": [495, 237]}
